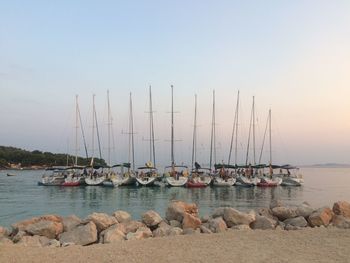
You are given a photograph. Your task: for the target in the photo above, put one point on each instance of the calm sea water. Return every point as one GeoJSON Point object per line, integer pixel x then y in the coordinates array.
{"type": "Point", "coordinates": [21, 197]}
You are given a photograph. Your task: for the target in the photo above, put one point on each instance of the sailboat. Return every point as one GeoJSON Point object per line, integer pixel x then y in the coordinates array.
{"type": "Point", "coordinates": [147, 175]}
{"type": "Point", "coordinates": [199, 177]}
{"type": "Point", "coordinates": [223, 175]}
{"type": "Point", "coordinates": [290, 176]}
{"type": "Point", "coordinates": [247, 175]}
{"type": "Point", "coordinates": [95, 174]}
{"type": "Point", "coordinates": [127, 177]}
{"type": "Point", "coordinates": [269, 180]}
{"type": "Point", "coordinates": [175, 175]}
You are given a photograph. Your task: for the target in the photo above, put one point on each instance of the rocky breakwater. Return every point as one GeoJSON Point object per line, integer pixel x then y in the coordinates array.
{"type": "Point", "coordinates": [180, 219]}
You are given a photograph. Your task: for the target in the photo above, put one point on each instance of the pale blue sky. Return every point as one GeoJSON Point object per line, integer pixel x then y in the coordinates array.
{"type": "Point", "coordinates": [294, 56]}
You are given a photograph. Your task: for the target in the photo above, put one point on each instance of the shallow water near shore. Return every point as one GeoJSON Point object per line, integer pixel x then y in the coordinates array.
{"type": "Point", "coordinates": [21, 197]}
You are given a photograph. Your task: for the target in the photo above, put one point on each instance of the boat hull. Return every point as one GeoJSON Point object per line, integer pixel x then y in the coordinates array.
{"type": "Point", "coordinates": [191, 184]}
{"type": "Point", "coordinates": [245, 182]}
{"type": "Point", "coordinates": [266, 182]}
{"type": "Point", "coordinates": [181, 181]}
{"type": "Point", "coordinates": [147, 181]}
{"type": "Point", "coordinates": [94, 181]}
{"type": "Point", "coordinates": [71, 184]}
{"type": "Point", "coordinates": [224, 182]}
{"type": "Point", "coordinates": [290, 181]}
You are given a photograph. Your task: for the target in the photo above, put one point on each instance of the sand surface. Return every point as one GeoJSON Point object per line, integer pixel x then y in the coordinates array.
{"type": "Point", "coordinates": [309, 245]}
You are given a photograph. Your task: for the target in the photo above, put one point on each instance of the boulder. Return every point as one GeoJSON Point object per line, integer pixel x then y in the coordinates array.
{"type": "Point", "coordinates": [190, 221]}
{"type": "Point", "coordinates": [81, 235]}
{"type": "Point", "coordinates": [264, 222]}
{"type": "Point", "coordinates": [205, 218]}
{"type": "Point", "coordinates": [151, 218]}
{"type": "Point", "coordinates": [34, 241]}
{"type": "Point", "coordinates": [276, 203]}
{"type": "Point", "coordinates": [205, 230]}
{"type": "Point", "coordinates": [283, 213]}
{"type": "Point", "coordinates": [175, 223]}
{"type": "Point", "coordinates": [321, 217]}
{"type": "Point", "coordinates": [297, 221]}
{"type": "Point", "coordinates": [102, 220]}
{"type": "Point", "coordinates": [233, 217]}
{"type": "Point", "coordinates": [19, 235]}
{"type": "Point", "coordinates": [176, 210]}
{"type": "Point", "coordinates": [161, 232]}
{"type": "Point", "coordinates": [141, 233]}
{"type": "Point", "coordinates": [131, 226]}
{"type": "Point", "coordinates": [304, 210]}
{"type": "Point", "coordinates": [341, 221]}
{"type": "Point", "coordinates": [111, 235]}
{"type": "Point", "coordinates": [49, 229]}
{"type": "Point", "coordinates": [267, 213]}
{"type": "Point", "coordinates": [175, 231]}
{"type": "Point", "coordinates": [217, 225]}
{"type": "Point", "coordinates": [122, 216]}
{"type": "Point", "coordinates": [218, 212]}
{"type": "Point", "coordinates": [21, 225]}
{"type": "Point", "coordinates": [342, 208]}
{"type": "Point", "coordinates": [70, 222]}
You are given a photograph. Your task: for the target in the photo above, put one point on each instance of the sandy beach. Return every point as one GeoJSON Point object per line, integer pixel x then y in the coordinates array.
{"type": "Point", "coordinates": [309, 245]}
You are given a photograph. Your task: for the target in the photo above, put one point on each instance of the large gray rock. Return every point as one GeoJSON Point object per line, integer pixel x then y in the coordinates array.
{"type": "Point", "coordinates": [70, 222]}
{"type": "Point", "coordinates": [233, 217]}
{"type": "Point", "coordinates": [263, 222]}
{"type": "Point", "coordinates": [176, 210]}
{"type": "Point", "coordinates": [297, 221]}
{"type": "Point", "coordinates": [141, 233]}
{"type": "Point", "coordinates": [34, 241]}
{"type": "Point", "coordinates": [102, 220]}
{"type": "Point", "coordinates": [341, 221]}
{"type": "Point", "coordinates": [151, 218]}
{"type": "Point", "coordinates": [283, 213]}
{"type": "Point", "coordinates": [81, 235]}
{"type": "Point", "coordinates": [122, 216]}
{"type": "Point", "coordinates": [49, 229]}
{"type": "Point", "coordinates": [217, 225]}
{"type": "Point", "coordinates": [304, 210]}
{"type": "Point", "coordinates": [321, 217]}
{"type": "Point", "coordinates": [111, 235]}
{"type": "Point", "coordinates": [342, 208]}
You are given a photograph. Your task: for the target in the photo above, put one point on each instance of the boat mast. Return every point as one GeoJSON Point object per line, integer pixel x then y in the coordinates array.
{"type": "Point", "coordinates": [98, 135]}
{"type": "Point", "coordinates": [82, 132]}
{"type": "Point", "coordinates": [131, 136]}
{"type": "Point", "coordinates": [270, 137]}
{"type": "Point", "coordinates": [212, 139]}
{"type": "Point", "coordinates": [263, 141]}
{"type": "Point", "coordinates": [109, 129]}
{"type": "Point", "coordinates": [194, 141]}
{"type": "Point", "coordinates": [253, 118]}
{"type": "Point", "coordinates": [76, 129]}
{"type": "Point", "coordinates": [172, 128]}
{"type": "Point", "coordinates": [249, 134]}
{"type": "Point", "coordinates": [93, 130]}
{"type": "Point", "coordinates": [234, 133]}
{"type": "Point", "coordinates": [152, 147]}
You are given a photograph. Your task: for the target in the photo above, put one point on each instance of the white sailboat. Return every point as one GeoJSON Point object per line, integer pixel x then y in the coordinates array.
{"type": "Point", "coordinates": [147, 175]}
{"type": "Point", "coordinates": [222, 177]}
{"type": "Point", "coordinates": [175, 175]}
{"type": "Point", "coordinates": [95, 174]}
{"type": "Point", "coordinates": [199, 177]}
{"type": "Point", "coordinates": [127, 177]}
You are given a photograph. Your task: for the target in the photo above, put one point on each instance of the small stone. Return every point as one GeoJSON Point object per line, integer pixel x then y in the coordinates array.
{"type": "Point", "coordinates": [141, 233]}
{"type": "Point", "coordinates": [54, 243]}
{"type": "Point", "coordinates": [175, 231]}
{"type": "Point", "coordinates": [241, 227]}
{"type": "Point", "coordinates": [297, 221]}
{"type": "Point", "coordinates": [20, 234]}
{"type": "Point", "coordinates": [217, 225]}
{"type": "Point", "coordinates": [205, 230]}
{"type": "Point", "coordinates": [205, 218]}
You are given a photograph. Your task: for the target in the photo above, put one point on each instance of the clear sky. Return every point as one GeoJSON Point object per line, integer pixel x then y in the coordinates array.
{"type": "Point", "coordinates": [293, 56]}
